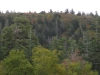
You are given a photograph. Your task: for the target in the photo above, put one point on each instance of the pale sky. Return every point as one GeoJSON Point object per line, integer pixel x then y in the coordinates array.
{"type": "Point", "coordinates": [45, 5]}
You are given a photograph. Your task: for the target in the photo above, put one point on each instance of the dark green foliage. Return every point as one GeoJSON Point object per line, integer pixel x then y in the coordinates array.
{"type": "Point", "coordinates": [18, 36]}
{"type": "Point", "coordinates": [72, 27]}
{"type": "Point", "coordinates": [65, 32]}
{"type": "Point", "coordinates": [67, 11]}
{"type": "Point", "coordinates": [6, 41]}
{"type": "Point", "coordinates": [72, 12]}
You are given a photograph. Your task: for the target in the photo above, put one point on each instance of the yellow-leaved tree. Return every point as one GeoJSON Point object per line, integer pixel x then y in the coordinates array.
{"type": "Point", "coordinates": [16, 64]}
{"type": "Point", "coordinates": [46, 62]}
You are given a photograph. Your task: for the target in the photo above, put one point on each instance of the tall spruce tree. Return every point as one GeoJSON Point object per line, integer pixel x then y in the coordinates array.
{"type": "Point", "coordinates": [18, 36]}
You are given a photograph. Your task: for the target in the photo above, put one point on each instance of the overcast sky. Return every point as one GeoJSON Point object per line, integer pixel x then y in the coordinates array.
{"type": "Point", "coordinates": [45, 5]}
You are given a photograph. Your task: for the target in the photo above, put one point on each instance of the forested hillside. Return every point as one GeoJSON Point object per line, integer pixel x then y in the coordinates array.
{"type": "Point", "coordinates": [53, 43]}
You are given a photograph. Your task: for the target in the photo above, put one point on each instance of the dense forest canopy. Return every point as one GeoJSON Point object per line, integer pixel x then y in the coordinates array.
{"type": "Point", "coordinates": [53, 43]}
